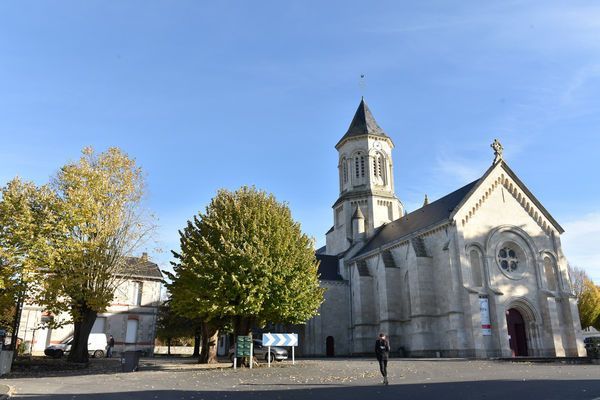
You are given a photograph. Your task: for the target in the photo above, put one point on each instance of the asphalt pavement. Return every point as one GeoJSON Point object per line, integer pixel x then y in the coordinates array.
{"type": "Point", "coordinates": [329, 379]}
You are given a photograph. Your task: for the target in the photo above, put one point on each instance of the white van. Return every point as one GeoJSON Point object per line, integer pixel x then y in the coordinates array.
{"type": "Point", "coordinates": [97, 344]}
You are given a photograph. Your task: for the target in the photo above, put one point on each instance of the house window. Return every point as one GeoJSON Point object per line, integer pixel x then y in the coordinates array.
{"type": "Point", "coordinates": [132, 328]}
{"type": "Point", "coordinates": [136, 297]}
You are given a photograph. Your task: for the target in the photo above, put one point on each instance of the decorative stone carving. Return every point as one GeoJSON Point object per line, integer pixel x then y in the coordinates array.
{"type": "Point", "coordinates": [497, 146]}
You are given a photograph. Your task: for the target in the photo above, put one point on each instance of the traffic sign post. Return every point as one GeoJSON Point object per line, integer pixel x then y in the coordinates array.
{"type": "Point", "coordinates": [280, 339]}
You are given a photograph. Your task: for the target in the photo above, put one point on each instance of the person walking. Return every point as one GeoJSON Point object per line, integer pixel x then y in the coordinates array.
{"type": "Point", "coordinates": [111, 344]}
{"type": "Point", "coordinates": [382, 352]}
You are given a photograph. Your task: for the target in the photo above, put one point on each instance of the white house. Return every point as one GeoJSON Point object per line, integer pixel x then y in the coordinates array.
{"type": "Point", "coordinates": [131, 318]}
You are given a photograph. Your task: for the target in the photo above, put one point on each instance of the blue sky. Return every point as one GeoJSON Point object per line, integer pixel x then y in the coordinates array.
{"type": "Point", "coordinates": [221, 94]}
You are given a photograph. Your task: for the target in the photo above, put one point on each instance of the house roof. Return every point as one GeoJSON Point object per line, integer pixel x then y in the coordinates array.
{"type": "Point", "coordinates": [328, 268]}
{"type": "Point", "coordinates": [362, 124]}
{"type": "Point", "coordinates": [424, 217]}
{"type": "Point", "coordinates": [142, 267]}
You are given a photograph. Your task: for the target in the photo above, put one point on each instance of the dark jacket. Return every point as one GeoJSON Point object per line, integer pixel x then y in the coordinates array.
{"type": "Point", "coordinates": [111, 342]}
{"type": "Point", "coordinates": [382, 349]}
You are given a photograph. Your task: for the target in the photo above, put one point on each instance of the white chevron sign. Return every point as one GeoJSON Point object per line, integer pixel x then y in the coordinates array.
{"type": "Point", "coordinates": [280, 339]}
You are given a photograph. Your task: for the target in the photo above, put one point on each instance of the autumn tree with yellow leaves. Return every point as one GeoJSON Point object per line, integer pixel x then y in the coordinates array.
{"type": "Point", "coordinates": [95, 221]}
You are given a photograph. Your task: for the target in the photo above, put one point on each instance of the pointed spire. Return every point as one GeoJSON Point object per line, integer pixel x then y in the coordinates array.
{"type": "Point", "coordinates": [426, 201]}
{"type": "Point", "coordinates": [363, 123]}
{"type": "Point", "coordinates": [358, 214]}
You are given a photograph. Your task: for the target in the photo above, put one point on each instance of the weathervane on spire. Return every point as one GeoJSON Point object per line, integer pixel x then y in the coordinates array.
{"type": "Point", "coordinates": [362, 84]}
{"type": "Point", "coordinates": [497, 146]}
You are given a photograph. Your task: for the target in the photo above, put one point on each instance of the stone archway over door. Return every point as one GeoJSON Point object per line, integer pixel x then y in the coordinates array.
{"type": "Point", "coordinates": [517, 333]}
{"type": "Point", "coordinates": [330, 346]}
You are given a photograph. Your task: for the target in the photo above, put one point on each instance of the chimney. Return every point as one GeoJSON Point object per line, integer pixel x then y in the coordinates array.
{"type": "Point", "coordinates": [144, 257]}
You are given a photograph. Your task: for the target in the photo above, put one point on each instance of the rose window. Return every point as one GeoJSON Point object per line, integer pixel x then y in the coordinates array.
{"type": "Point", "coordinates": [508, 259]}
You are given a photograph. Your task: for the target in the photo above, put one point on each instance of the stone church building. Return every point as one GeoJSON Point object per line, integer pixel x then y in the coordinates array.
{"type": "Point", "coordinates": [479, 272]}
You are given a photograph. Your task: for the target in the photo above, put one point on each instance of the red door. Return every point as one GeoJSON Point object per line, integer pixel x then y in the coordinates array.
{"type": "Point", "coordinates": [516, 332]}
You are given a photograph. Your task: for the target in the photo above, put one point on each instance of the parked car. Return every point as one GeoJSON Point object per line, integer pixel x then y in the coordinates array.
{"type": "Point", "coordinates": [97, 344]}
{"type": "Point", "coordinates": [592, 346]}
{"type": "Point", "coordinates": [261, 352]}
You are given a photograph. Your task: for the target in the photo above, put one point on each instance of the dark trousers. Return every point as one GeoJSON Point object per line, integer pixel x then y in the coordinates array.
{"type": "Point", "coordinates": [383, 366]}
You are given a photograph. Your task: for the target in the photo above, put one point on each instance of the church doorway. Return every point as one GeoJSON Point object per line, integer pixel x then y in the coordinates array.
{"type": "Point", "coordinates": [516, 332]}
{"type": "Point", "coordinates": [329, 346]}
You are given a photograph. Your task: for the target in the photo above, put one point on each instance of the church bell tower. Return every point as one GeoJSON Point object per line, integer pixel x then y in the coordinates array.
{"type": "Point", "coordinates": [366, 183]}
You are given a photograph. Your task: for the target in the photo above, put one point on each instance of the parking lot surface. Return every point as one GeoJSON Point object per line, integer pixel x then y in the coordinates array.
{"type": "Point", "coordinates": [327, 379]}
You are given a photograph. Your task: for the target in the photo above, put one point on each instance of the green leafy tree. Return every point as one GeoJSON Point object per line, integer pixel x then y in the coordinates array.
{"type": "Point", "coordinates": [588, 297]}
{"type": "Point", "coordinates": [72, 237]}
{"type": "Point", "coordinates": [246, 260]}
{"type": "Point", "coordinates": [103, 222]}
{"type": "Point", "coordinates": [588, 304]}
{"type": "Point", "coordinates": [28, 238]}
{"type": "Point", "coordinates": [170, 326]}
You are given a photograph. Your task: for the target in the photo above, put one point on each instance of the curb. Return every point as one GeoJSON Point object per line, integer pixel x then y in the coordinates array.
{"type": "Point", "coordinates": [5, 392]}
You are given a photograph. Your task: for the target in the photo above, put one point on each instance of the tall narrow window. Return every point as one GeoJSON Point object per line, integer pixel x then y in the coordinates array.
{"type": "Point", "coordinates": [344, 170]}
{"type": "Point", "coordinates": [359, 168]}
{"type": "Point", "coordinates": [476, 270]}
{"type": "Point", "coordinates": [550, 274]}
{"type": "Point", "coordinates": [339, 220]}
{"type": "Point", "coordinates": [136, 297]}
{"type": "Point", "coordinates": [375, 166]}
{"type": "Point", "coordinates": [379, 169]}
{"type": "Point", "coordinates": [362, 165]}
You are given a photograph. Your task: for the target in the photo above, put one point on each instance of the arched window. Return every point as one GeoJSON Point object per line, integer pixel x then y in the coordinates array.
{"type": "Point", "coordinates": [476, 268]}
{"type": "Point", "coordinates": [362, 165]}
{"type": "Point", "coordinates": [379, 169]}
{"type": "Point", "coordinates": [359, 167]}
{"type": "Point", "coordinates": [550, 273]}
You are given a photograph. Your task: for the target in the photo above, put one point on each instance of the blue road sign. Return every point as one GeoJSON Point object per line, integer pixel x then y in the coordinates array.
{"type": "Point", "coordinates": [280, 339]}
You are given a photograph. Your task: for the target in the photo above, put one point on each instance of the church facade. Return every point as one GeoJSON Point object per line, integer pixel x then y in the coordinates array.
{"type": "Point", "coordinates": [477, 273]}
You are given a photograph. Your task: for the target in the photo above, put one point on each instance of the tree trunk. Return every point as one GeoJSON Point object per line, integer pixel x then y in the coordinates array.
{"type": "Point", "coordinates": [83, 327]}
{"type": "Point", "coordinates": [169, 346]}
{"type": "Point", "coordinates": [197, 335]}
{"type": "Point", "coordinates": [15, 327]}
{"type": "Point", "coordinates": [210, 338]}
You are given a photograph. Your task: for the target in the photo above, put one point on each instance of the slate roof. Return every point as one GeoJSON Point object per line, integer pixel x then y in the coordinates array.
{"type": "Point", "coordinates": [362, 124]}
{"type": "Point", "coordinates": [142, 267]}
{"type": "Point", "coordinates": [328, 268]}
{"type": "Point", "coordinates": [424, 217]}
